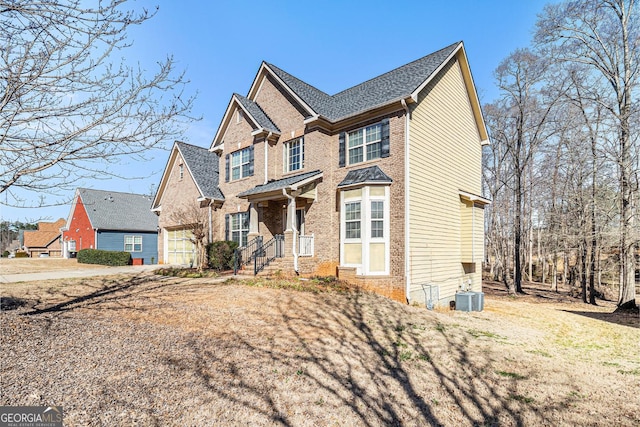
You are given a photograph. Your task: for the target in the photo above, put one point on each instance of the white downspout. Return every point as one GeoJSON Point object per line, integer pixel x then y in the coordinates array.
{"type": "Point", "coordinates": [407, 252]}
{"type": "Point", "coordinates": [210, 223]}
{"type": "Point", "coordinates": [293, 227]}
{"type": "Point", "coordinates": [266, 157]}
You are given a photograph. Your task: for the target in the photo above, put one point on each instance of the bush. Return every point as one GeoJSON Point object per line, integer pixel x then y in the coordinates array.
{"type": "Point", "coordinates": [221, 255]}
{"type": "Point", "coordinates": [5, 254]}
{"type": "Point", "coordinates": [22, 255]}
{"type": "Point", "coordinates": [97, 256]}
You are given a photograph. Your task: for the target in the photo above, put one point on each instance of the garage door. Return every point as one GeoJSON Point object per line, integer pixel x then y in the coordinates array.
{"type": "Point", "coordinates": [180, 249]}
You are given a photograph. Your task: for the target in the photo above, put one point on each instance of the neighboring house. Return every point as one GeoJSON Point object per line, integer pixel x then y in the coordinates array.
{"type": "Point", "coordinates": [112, 221]}
{"type": "Point", "coordinates": [190, 179]}
{"type": "Point", "coordinates": [45, 240]}
{"type": "Point", "coordinates": [379, 184]}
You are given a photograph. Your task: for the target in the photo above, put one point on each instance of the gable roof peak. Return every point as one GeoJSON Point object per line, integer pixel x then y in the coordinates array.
{"type": "Point", "coordinates": [378, 91]}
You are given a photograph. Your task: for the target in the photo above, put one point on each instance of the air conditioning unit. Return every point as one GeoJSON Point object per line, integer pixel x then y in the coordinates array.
{"type": "Point", "coordinates": [470, 301]}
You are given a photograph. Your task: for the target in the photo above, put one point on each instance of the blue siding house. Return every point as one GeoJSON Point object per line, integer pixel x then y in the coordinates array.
{"type": "Point", "coordinates": [112, 221]}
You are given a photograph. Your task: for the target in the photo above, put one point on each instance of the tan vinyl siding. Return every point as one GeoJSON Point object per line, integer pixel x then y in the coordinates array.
{"type": "Point", "coordinates": [466, 231]}
{"type": "Point", "coordinates": [445, 158]}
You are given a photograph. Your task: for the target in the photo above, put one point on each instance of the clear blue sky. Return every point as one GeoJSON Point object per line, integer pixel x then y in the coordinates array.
{"type": "Point", "coordinates": [332, 45]}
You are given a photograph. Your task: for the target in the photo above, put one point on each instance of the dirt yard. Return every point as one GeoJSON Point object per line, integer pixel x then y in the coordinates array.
{"type": "Point", "coordinates": [149, 350]}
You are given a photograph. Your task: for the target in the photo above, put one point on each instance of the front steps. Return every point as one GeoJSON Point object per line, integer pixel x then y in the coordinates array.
{"type": "Point", "coordinates": [279, 266]}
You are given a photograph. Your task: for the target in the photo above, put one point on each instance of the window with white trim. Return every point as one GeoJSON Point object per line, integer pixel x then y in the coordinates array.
{"type": "Point", "coordinates": [293, 155]}
{"type": "Point", "coordinates": [364, 229]}
{"type": "Point", "coordinates": [364, 144]}
{"type": "Point", "coordinates": [133, 243]}
{"type": "Point", "coordinates": [352, 220]}
{"type": "Point", "coordinates": [240, 228]}
{"type": "Point", "coordinates": [240, 164]}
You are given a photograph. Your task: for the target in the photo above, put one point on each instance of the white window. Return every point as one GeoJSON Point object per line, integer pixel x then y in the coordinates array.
{"type": "Point", "coordinates": [294, 155]}
{"type": "Point", "coordinates": [364, 144]}
{"type": "Point", "coordinates": [133, 243]}
{"type": "Point", "coordinates": [239, 116]}
{"type": "Point", "coordinates": [241, 164]}
{"type": "Point", "coordinates": [181, 171]}
{"type": "Point", "coordinates": [240, 228]}
{"type": "Point", "coordinates": [364, 219]}
{"type": "Point", "coordinates": [352, 220]}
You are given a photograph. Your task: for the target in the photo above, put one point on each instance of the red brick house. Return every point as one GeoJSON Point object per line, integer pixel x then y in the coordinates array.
{"type": "Point", "coordinates": [113, 221]}
{"type": "Point", "coordinates": [379, 184]}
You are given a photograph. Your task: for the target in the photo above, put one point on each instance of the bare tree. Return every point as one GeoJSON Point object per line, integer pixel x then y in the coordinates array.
{"type": "Point", "coordinates": [604, 36]}
{"type": "Point", "coordinates": [526, 110]}
{"type": "Point", "coordinates": [195, 219]}
{"type": "Point", "coordinates": [68, 107]}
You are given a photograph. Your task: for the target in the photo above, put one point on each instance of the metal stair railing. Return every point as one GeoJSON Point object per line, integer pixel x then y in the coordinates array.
{"type": "Point", "coordinates": [244, 254]}
{"type": "Point", "coordinates": [272, 249]}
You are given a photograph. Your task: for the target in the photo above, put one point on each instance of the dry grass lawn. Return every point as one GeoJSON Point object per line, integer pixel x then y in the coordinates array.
{"type": "Point", "coordinates": [148, 350]}
{"type": "Point", "coordinates": [40, 265]}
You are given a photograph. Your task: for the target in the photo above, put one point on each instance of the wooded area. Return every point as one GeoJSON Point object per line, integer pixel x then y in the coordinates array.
{"type": "Point", "coordinates": [563, 165]}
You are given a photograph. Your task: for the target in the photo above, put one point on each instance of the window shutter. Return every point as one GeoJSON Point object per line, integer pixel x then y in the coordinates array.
{"type": "Point", "coordinates": [226, 168]}
{"type": "Point", "coordinates": [343, 149]}
{"type": "Point", "coordinates": [251, 160]}
{"type": "Point", "coordinates": [384, 145]}
{"type": "Point", "coordinates": [227, 218]}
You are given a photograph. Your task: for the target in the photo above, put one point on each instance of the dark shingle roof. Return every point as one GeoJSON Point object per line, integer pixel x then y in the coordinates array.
{"type": "Point", "coordinates": [319, 101]}
{"type": "Point", "coordinates": [372, 174]}
{"type": "Point", "coordinates": [256, 112]}
{"type": "Point", "coordinates": [203, 165]}
{"type": "Point", "coordinates": [112, 210]}
{"type": "Point", "coordinates": [279, 184]}
{"type": "Point", "coordinates": [381, 90]}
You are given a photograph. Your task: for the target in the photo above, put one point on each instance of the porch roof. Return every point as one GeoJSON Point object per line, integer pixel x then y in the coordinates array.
{"type": "Point", "coordinates": [290, 182]}
{"type": "Point", "coordinates": [370, 175]}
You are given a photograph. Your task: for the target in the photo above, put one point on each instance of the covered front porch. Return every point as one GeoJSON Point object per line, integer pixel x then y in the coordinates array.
{"type": "Point", "coordinates": [277, 226]}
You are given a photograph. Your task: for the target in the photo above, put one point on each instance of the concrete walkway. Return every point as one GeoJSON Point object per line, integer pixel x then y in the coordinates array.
{"type": "Point", "coordinates": [71, 274]}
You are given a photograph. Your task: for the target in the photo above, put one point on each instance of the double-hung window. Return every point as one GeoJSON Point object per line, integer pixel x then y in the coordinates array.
{"type": "Point", "coordinates": [365, 143]}
{"type": "Point", "coordinates": [240, 228]}
{"type": "Point", "coordinates": [133, 243]}
{"type": "Point", "coordinates": [294, 155]}
{"type": "Point", "coordinates": [240, 164]}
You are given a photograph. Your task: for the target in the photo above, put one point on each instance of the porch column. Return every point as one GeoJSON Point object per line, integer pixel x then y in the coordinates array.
{"type": "Point", "coordinates": [290, 232]}
{"type": "Point", "coordinates": [253, 221]}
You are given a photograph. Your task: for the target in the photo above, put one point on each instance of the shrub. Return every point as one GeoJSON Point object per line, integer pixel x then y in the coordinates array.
{"type": "Point", "coordinates": [221, 254]}
{"type": "Point", "coordinates": [97, 256]}
{"type": "Point", "coordinates": [22, 255]}
{"type": "Point", "coordinates": [5, 254]}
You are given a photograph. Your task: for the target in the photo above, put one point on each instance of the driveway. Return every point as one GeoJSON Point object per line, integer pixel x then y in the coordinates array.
{"type": "Point", "coordinates": [75, 272]}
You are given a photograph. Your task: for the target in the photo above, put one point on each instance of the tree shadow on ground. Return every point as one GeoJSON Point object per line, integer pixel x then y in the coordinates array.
{"type": "Point", "coordinates": [358, 358]}
{"type": "Point", "coordinates": [104, 290]}
{"type": "Point", "coordinates": [619, 317]}
{"type": "Point", "coordinates": [292, 358]}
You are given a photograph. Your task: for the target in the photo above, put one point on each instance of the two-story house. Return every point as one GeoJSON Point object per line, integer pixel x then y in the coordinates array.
{"type": "Point", "coordinates": [379, 184]}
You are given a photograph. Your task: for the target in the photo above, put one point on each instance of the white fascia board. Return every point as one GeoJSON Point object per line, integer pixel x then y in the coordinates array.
{"type": "Point", "coordinates": [474, 197]}
{"type": "Point", "coordinates": [291, 92]}
{"type": "Point", "coordinates": [415, 93]}
{"type": "Point", "coordinates": [304, 182]}
{"type": "Point", "coordinates": [363, 184]}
